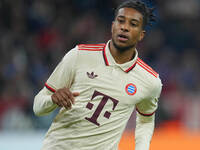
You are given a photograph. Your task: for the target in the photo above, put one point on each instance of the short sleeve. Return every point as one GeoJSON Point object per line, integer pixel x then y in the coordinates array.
{"type": "Point", "coordinates": [148, 106]}
{"type": "Point", "coordinates": [63, 74]}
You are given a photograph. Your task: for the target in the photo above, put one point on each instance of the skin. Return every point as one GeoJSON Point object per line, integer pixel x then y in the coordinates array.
{"type": "Point", "coordinates": [127, 31]}
{"type": "Point", "coordinates": [128, 23]}
{"type": "Point", "coordinates": [64, 97]}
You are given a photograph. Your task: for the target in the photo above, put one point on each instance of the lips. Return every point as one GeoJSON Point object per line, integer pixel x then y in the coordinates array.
{"type": "Point", "coordinates": [122, 37]}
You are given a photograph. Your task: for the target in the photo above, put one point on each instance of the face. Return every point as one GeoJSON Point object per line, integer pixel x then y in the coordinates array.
{"type": "Point", "coordinates": [127, 29]}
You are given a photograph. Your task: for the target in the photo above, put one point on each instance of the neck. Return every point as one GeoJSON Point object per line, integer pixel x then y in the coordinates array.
{"type": "Point", "coordinates": [121, 57]}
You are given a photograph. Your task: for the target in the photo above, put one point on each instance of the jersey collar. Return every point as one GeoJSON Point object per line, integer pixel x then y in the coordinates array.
{"type": "Point", "coordinates": [109, 60]}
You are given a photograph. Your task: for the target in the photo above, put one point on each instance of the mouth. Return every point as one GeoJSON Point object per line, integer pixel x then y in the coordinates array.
{"type": "Point", "coordinates": [122, 37]}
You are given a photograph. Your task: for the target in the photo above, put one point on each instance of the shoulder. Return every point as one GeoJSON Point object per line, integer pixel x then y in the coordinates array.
{"type": "Point", "coordinates": [85, 53]}
{"type": "Point", "coordinates": [91, 47]}
{"type": "Point", "coordinates": [149, 75]}
{"type": "Point", "coordinates": [146, 68]}
{"type": "Point", "coordinates": [84, 49]}
{"type": "Point", "coordinates": [90, 52]}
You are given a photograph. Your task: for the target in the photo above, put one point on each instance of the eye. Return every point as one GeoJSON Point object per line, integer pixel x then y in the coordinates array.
{"type": "Point", "coordinates": [120, 20]}
{"type": "Point", "coordinates": [133, 24]}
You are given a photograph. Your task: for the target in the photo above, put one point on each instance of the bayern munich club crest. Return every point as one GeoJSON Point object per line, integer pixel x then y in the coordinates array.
{"type": "Point", "coordinates": [131, 89]}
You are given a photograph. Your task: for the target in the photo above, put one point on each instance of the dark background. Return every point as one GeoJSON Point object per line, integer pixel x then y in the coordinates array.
{"type": "Point", "coordinates": [36, 34]}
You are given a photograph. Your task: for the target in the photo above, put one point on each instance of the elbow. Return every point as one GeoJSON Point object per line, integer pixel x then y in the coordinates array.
{"type": "Point", "coordinates": [36, 107]}
{"type": "Point", "coordinates": [43, 105]}
{"type": "Point", "coordinates": [37, 112]}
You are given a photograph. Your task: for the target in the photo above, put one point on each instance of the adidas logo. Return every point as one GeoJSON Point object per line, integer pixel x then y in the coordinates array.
{"type": "Point", "coordinates": [91, 75]}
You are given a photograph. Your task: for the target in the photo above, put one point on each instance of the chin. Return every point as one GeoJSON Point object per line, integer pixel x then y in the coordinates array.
{"type": "Point", "coordinates": [122, 47]}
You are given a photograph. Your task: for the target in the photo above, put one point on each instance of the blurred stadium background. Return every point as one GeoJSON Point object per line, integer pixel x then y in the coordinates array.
{"type": "Point", "coordinates": [35, 34]}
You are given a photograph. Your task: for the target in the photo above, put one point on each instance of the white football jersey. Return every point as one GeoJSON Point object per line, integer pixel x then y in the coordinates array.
{"type": "Point", "coordinates": [109, 92]}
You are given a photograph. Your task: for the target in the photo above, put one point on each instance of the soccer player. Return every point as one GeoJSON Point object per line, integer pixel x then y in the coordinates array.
{"type": "Point", "coordinates": [98, 86]}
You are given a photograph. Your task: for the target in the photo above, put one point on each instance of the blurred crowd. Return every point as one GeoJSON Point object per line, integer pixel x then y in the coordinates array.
{"type": "Point", "coordinates": [35, 35]}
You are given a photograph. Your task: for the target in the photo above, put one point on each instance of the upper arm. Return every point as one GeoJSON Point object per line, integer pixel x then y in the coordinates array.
{"type": "Point", "coordinates": [148, 106]}
{"type": "Point", "coordinates": [63, 74]}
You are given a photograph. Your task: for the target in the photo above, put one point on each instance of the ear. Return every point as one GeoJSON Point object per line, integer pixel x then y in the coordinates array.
{"type": "Point", "coordinates": [142, 34]}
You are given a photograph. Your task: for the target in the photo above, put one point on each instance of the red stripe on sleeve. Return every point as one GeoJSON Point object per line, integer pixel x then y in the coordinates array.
{"type": "Point", "coordinates": [143, 113]}
{"type": "Point", "coordinates": [49, 88]}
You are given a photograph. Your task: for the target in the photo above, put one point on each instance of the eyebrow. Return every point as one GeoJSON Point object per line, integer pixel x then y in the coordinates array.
{"type": "Point", "coordinates": [131, 19]}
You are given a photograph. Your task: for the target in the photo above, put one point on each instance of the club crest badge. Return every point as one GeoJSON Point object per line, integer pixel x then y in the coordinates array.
{"type": "Point", "coordinates": [131, 89]}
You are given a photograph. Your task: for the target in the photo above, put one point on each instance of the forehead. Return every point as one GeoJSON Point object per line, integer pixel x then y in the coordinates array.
{"type": "Point", "coordinates": [130, 13]}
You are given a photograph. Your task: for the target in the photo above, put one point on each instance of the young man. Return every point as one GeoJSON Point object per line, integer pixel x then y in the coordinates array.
{"type": "Point", "coordinates": [98, 86]}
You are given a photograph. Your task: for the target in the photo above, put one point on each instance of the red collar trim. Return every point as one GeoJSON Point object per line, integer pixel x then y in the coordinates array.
{"type": "Point", "coordinates": [107, 63]}
{"type": "Point", "coordinates": [129, 69]}
{"type": "Point", "coordinates": [104, 56]}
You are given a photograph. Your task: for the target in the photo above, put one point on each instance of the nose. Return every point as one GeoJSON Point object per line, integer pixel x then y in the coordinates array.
{"type": "Point", "coordinates": [125, 27]}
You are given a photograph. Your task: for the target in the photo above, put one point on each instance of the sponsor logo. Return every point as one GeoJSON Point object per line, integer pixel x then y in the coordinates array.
{"type": "Point", "coordinates": [105, 98]}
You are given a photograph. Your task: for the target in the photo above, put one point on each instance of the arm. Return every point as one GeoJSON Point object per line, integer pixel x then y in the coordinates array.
{"type": "Point", "coordinates": [46, 101]}
{"type": "Point", "coordinates": [56, 91]}
{"type": "Point", "coordinates": [43, 103]}
{"type": "Point", "coordinates": [144, 131]}
{"type": "Point", "coordinates": [145, 117]}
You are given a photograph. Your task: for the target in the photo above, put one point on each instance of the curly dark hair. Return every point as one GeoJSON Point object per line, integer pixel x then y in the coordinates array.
{"type": "Point", "coordinates": [148, 16]}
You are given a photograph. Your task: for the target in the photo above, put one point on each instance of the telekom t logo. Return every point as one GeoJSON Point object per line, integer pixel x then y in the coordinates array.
{"type": "Point", "coordinates": [100, 107]}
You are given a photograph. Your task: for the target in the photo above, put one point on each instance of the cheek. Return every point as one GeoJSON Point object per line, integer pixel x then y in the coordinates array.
{"type": "Point", "coordinates": [113, 31]}
{"type": "Point", "coordinates": [135, 35]}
